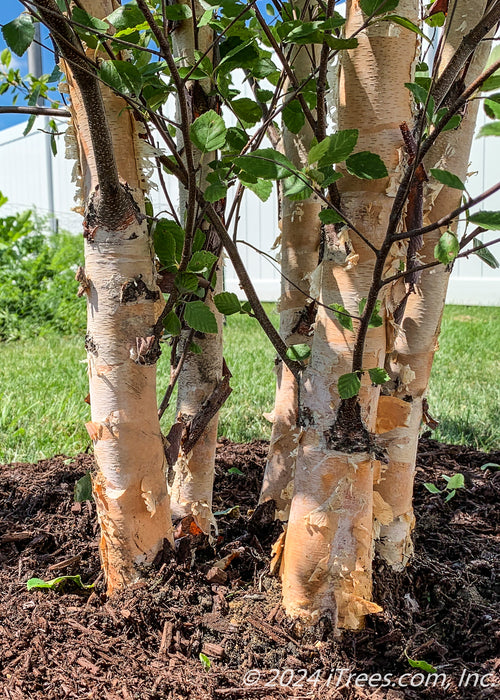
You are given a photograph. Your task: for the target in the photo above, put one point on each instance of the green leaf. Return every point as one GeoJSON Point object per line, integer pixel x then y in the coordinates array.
{"type": "Point", "coordinates": [235, 470]}
{"type": "Point", "coordinates": [84, 18]}
{"type": "Point", "coordinates": [330, 216]}
{"type": "Point", "coordinates": [378, 375]}
{"type": "Point", "coordinates": [208, 132]}
{"type": "Point", "coordinates": [83, 489]}
{"type": "Point", "coordinates": [6, 57]}
{"type": "Point", "coordinates": [490, 465]}
{"type": "Point", "coordinates": [298, 352]}
{"type": "Point", "coordinates": [376, 320]}
{"type": "Point", "coordinates": [296, 188]}
{"type": "Point", "coordinates": [262, 188]}
{"type": "Point", "coordinates": [205, 661]}
{"type": "Point", "coordinates": [486, 219]}
{"type": "Point", "coordinates": [122, 76]}
{"type": "Point", "coordinates": [29, 125]}
{"type": "Point", "coordinates": [436, 20]}
{"type": "Point", "coordinates": [492, 106]}
{"type": "Point", "coordinates": [198, 242]}
{"type": "Point", "coordinates": [485, 255]}
{"type": "Point", "coordinates": [165, 238]}
{"type": "Point", "coordinates": [404, 22]}
{"type": "Point", "coordinates": [451, 495]}
{"type": "Point", "coordinates": [19, 33]}
{"type": "Point", "coordinates": [492, 83]}
{"type": "Point", "coordinates": [58, 583]}
{"type": "Point", "coordinates": [366, 165]}
{"type": "Point", "coordinates": [330, 175]}
{"type": "Point", "coordinates": [376, 7]}
{"type": "Point", "coordinates": [453, 123]}
{"type": "Point", "coordinates": [490, 129]}
{"type": "Point", "coordinates": [232, 511]}
{"type": "Point", "coordinates": [342, 316]}
{"type": "Point", "coordinates": [349, 385]}
{"type": "Point", "coordinates": [247, 110]}
{"type": "Point", "coordinates": [447, 248]}
{"type": "Point", "coordinates": [186, 282]}
{"type": "Point", "coordinates": [171, 324]}
{"type": "Point", "coordinates": [293, 116]}
{"type": "Point", "coordinates": [201, 261]}
{"type": "Point", "coordinates": [447, 178]}
{"type": "Point", "coordinates": [266, 163]}
{"type": "Point", "coordinates": [215, 192]}
{"type": "Point", "coordinates": [236, 140]}
{"type": "Point", "coordinates": [418, 92]}
{"type": "Point", "coordinates": [200, 318]}
{"type": "Point", "coordinates": [457, 481]}
{"type": "Point", "coordinates": [194, 74]}
{"type": "Point", "coordinates": [335, 148]}
{"type": "Point", "coordinates": [227, 303]}
{"type": "Point", "coordinates": [422, 665]}
{"type": "Point", "coordinates": [195, 349]}
{"type": "Point", "coordinates": [337, 44]}
{"type": "Point", "coordinates": [126, 17]}
{"type": "Point", "coordinates": [430, 487]}
{"type": "Point", "coordinates": [177, 12]}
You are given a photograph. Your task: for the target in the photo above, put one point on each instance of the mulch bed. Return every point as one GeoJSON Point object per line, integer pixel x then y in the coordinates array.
{"type": "Point", "coordinates": [443, 609]}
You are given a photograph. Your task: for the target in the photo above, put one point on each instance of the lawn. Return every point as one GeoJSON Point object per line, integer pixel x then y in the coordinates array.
{"type": "Point", "coordinates": [43, 384]}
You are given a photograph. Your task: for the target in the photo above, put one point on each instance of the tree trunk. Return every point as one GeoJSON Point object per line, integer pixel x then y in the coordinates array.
{"type": "Point", "coordinates": [124, 304]}
{"type": "Point", "coordinates": [191, 491]}
{"type": "Point", "coordinates": [412, 357]}
{"type": "Point", "coordinates": [328, 548]}
{"type": "Point", "coordinates": [300, 237]}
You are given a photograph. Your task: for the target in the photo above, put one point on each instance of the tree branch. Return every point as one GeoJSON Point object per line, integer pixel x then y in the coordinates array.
{"type": "Point", "coordinates": [287, 68]}
{"type": "Point", "coordinates": [112, 204]}
{"type": "Point", "coordinates": [467, 46]}
{"type": "Point", "coordinates": [248, 288]}
{"type": "Point", "coordinates": [38, 111]}
{"type": "Point", "coordinates": [445, 220]}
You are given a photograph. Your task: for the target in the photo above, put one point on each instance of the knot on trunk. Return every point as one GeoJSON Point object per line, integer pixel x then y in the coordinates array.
{"type": "Point", "coordinates": [112, 208]}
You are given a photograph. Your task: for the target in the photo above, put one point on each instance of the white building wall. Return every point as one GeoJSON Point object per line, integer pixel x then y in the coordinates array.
{"type": "Point", "coordinates": [24, 180]}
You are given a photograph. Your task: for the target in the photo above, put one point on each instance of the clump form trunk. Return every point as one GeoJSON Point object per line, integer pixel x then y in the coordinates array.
{"type": "Point", "coordinates": [328, 548]}
{"type": "Point", "coordinates": [193, 473]}
{"type": "Point", "coordinates": [410, 362]}
{"type": "Point", "coordinates": [300, 237]}
{"type": "Point", "coordinates": [124, 304]}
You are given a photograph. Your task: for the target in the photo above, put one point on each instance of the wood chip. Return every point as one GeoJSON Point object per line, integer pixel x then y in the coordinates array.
{"type": "Point", "coordinates": [215, 650]}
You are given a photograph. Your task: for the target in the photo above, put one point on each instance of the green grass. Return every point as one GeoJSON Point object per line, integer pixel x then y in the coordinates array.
{"type": "Point", "coordinates": [43, 383]}
{"type": "Point", "coordinates": [464, 392]}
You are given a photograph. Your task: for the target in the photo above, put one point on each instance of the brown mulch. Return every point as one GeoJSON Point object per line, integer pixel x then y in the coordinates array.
{"type": "Point", "coordinates": [443, 609]}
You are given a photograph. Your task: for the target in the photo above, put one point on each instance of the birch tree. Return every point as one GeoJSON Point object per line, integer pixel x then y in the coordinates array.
{"type": "Point", "coordinates": [198, 356]}
{"type": "Point", "coordinates": [123, 303]}
{"type": "Point", "coordinates": [373, 191]}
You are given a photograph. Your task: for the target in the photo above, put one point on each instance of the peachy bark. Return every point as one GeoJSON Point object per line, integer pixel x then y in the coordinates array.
{"type": "Point", "coordinates": [193, 473]}
{"type": "Point", "coordinates": [411, 352]}
{"type": "Point", "coordinates": [328, 547]}
{"type": "Point", "coordinates": [300, 237]}
{"type": "Point", "coordinates": [123, 304]}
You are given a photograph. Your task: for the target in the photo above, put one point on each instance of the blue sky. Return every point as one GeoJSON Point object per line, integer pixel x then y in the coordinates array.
{"type": "Point", "coordinates": [9, 10]}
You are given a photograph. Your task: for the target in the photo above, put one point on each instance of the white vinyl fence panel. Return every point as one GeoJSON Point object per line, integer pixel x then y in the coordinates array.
{"type": "Point", "coordinates": [31, 180]}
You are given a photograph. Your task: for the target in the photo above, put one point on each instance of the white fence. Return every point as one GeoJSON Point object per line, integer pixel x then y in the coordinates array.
{"type": "Point", "coordinates": [30, 178]}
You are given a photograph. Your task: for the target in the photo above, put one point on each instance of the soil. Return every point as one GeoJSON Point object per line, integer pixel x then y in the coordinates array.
{"type": "Point", "coordinates": [192, 630]}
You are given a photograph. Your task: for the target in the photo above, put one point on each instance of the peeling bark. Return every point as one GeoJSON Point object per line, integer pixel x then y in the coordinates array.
{"type": "Point", "coordinates": [191, 490]}
{"type": "Point", "coordinates": [123, 307]}
{"type": "Point", "coordinates": [410, 362]}
{"type": "Point", "coordinates": [300, 238]}
{"type": "Point", "coordinates": [328, 547]}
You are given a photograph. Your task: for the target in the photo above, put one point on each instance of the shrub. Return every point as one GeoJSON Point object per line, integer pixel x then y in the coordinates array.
{"type": "Point", "coordinates": [37, 285]}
